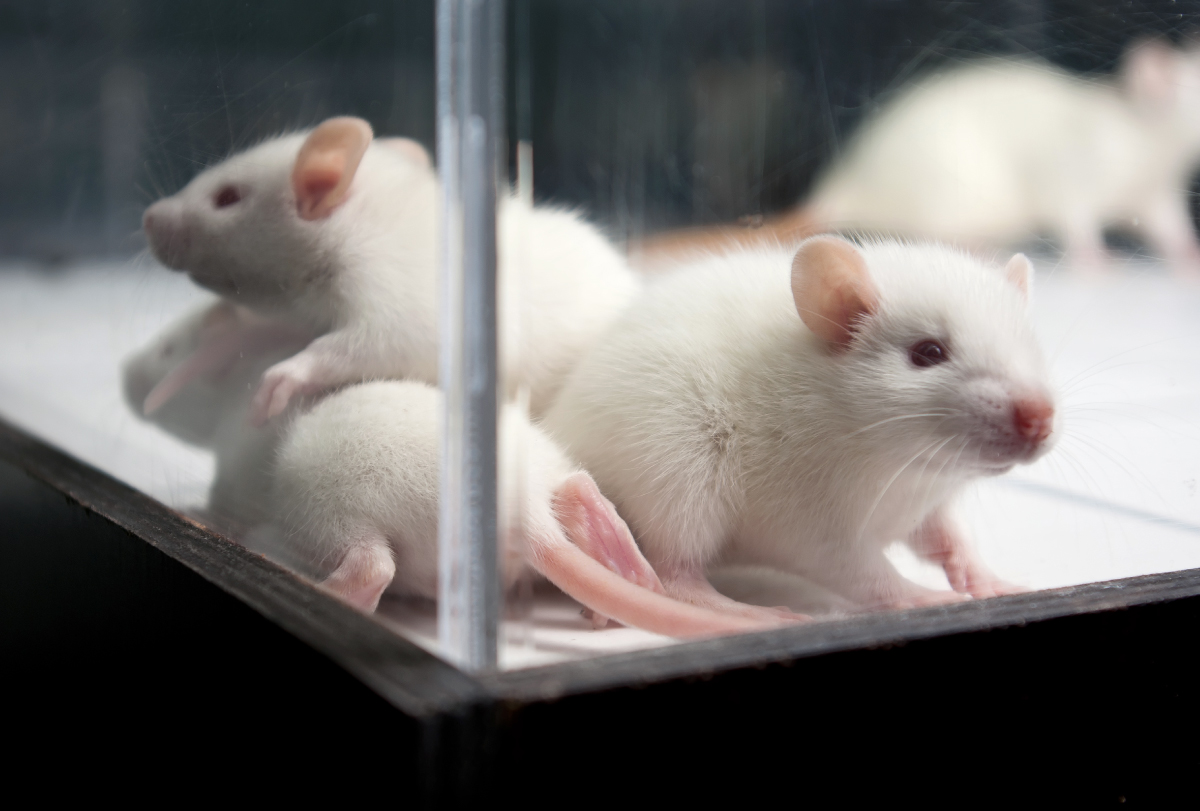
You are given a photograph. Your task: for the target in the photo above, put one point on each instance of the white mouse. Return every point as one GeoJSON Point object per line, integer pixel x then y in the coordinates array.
{"type": "Point", "coordinates": [337, 233]}
{"type": "Point", "coordinates": [999, 150]}
{"type": "Point", "coordinates": [804, 412]}
{"type": "Point", "coordinates": [992, 153]}
{"type": "Point", "coordinates": [355, 505]}
{"type": "Point", "coordinates": [207, 406]}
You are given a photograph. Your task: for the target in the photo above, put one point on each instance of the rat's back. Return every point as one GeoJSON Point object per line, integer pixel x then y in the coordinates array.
{"type": "Point", "coordinates": [984, 152]}
{"type": "Point", "coordinates": [571, 283]}
{"type": "Point", "coordinates": [656, 413]}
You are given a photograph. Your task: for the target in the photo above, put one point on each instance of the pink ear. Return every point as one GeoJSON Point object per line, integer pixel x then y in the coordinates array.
{"type": "Point", "coordinates": [1019, 271]}
{"type": "Point", "coordinates": [832, 288]}
{"type": "Point", "coordinates": [327, 163]}
{"type": "Point", "coordinates": [1149, 73]}
{"type": "Point", "coordinates": [409, 149]}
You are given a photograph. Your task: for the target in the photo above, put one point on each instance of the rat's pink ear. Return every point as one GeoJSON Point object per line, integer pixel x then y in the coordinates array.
{"type": "Point", "coordinates": [1149, 73]}
{"type": "Point", "coordinates": [327, 163]}
{"type": "Point", "coordinates": [832, 288]}
{"type": "Point", "coordinates": [407, 148]}
{"type": "Point", "coordinates": [1019, 271]}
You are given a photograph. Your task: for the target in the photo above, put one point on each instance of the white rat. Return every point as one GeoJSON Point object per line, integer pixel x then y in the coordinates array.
{"type": "Point", "coordinates": [805, 412]}
{"type": "Point", "coordinates": [356, 489]}
{"type": "Point", "coordinates": [337, 233]}
{"type": "Point", "coordinates": [362, 466]}
{"type": "Point", "coordinates": [993, 152]}
{"type": "Point", "coordinates": [207, 406]}
{"type": "Point", "coordinates": [997, 151]}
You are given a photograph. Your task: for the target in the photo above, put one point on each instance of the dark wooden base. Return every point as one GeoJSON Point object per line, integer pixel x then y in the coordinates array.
{"type": "Point", "coordinates": [137, 642]}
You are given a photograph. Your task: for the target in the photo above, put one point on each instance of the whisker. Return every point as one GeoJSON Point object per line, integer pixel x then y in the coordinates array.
{"type": "Point", "coordinates": [896, 475]}
{"type": "Point", "coordinates": [894, 419]}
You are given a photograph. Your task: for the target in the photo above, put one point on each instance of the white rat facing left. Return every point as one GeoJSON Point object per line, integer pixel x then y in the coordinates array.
{"type": "Point", "coordinates": [335, 232]}
{"type": "Point", "coordinates": [355, 506]}
{"type": "Point", "coordinates": [805, 412]}
{"type": "Point", "coordinates": [207, 404]}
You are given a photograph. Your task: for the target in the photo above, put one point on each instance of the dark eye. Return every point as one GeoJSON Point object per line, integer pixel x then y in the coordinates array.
{"type": "Point", "coordinates": [928, 353]}
{"type": "Point", "coordinates": [226, 197]}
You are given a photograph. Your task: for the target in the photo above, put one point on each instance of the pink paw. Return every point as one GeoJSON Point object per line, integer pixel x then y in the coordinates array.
{"type": "Point", "coordinates": [280, 384]}
{"type": "Point", "coordinates": [591, 522]}
{"type": "Point", "coordinates": [994, 588]}
{"type": "Point", "coordinates": [929, 598]}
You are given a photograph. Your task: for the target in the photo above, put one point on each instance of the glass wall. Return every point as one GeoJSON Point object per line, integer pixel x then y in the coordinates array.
{"type": "Point", "coordinates": [263, 352]}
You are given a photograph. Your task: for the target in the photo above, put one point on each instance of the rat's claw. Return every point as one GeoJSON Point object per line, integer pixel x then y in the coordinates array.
{"type": "Point", "coordinates": [930, 598]}
{"type": "Point", "coordinates": [598, 620]}
{"type": "Point", "coordinates": [994, 588]}
{"type": "Point", "coordinates": [280, 384]}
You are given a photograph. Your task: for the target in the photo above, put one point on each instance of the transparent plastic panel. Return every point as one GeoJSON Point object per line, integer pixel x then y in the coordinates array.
{"type": "Point", "coordinates": [235, 238]}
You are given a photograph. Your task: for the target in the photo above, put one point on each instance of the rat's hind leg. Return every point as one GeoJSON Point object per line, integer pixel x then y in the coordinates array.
{"type": "Point", "coordinates": [591, 522]}
{"type": "Point", "coordinates": [364, 573]}
{"type": "Point", "coordinates": [1083, 241]}
{"type": "Point", "coordinates": [598, 563]}
{"type": "Point", "coordinates": [690, 585]}
{"type": "Point", "coordinates": [1167, 224]}
{"type": "Point", "coordinates": [939, 541]}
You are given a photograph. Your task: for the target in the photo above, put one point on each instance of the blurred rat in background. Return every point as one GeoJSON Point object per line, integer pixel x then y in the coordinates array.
{"type": "Point", "coordinates": [994, 153]}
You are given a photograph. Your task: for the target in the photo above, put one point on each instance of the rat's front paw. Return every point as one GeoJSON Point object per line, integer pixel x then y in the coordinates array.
{"type": "Point", "coordinates": [993, 587]}
{"type": "Point", "coordinates": [282, 382]}
{"type": "Point", "coordinates": [926, 598]}
{"type": "Point", "coordinates": [973, 578]}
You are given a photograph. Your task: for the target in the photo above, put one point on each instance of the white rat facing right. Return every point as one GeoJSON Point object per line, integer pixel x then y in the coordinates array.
{"type": "Point", "coordinates": [355, 505]}
{"type": "Point", "coordinates": [805, 412]}
{"type": "Point", "coordinates": [994, 151]}
{"type": "Point", "coordinates": [337, 233]}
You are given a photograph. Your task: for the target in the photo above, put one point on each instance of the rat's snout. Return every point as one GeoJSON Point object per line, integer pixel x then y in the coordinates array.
{"type": "Point", "coordinates": [1033, 418]}
{"type": "Point", "coordinates": [164, 226]}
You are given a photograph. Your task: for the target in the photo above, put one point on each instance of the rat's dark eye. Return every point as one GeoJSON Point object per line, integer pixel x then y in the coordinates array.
{"type": "Point", "coordinates": [927, 353]}
{"type": "Point", "coordinates": [226, 197]}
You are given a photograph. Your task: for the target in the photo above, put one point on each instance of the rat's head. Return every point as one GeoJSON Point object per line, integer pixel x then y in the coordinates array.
{"type": "Point", "coordinates": [933, 352]}
{"type": "Point", "coordinates": [1162, 82]}
{"type": "Point", "coordinates": [256, 227]}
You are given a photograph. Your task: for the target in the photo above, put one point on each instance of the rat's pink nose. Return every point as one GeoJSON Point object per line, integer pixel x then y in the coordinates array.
{"type": "Point", "coordinates": [165, 232]}
{"type": "Point", "coordinates": [1033, 417]}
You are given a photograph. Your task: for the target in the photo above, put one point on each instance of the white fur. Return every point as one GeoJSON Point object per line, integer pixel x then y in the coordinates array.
{"type": "Point", "coordinates": [366, 276]}
{"type": "Point", "coordinates": [996, 151]}
{"type": "Point", "coordinates": [724, 430]}
{"type": "Point", "coordinates": [361, 468]}
{"type": "Point", "coordinates": [212, 413]}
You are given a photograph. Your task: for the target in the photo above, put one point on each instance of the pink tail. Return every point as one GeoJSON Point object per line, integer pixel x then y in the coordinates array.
{"type": "Point", "coordinates": [591, 523]}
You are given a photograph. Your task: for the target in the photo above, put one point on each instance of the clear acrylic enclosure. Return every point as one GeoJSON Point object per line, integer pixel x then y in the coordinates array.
{"type": "Point", "coordinates": [381, 222]}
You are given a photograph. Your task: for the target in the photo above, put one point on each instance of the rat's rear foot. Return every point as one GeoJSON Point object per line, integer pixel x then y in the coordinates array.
{"type": "Point", "coordinates": [280, 384]}
{"type": "Point", "coordinates": [692, 587]}
{"type": "Point", "coordinates": [926, 598]}
{"type": "Point", "coordinates": [364, 573]}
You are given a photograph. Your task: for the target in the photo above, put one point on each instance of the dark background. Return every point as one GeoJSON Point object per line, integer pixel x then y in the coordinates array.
{"type": "Point", "coordinates": [647, 115]}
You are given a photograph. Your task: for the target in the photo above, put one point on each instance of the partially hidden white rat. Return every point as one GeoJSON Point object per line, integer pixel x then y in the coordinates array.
{"type": "Point", "coordinates": [355, 505]}
{"type": "Point", "coordinates": [805, 411]}
{"type": "Point", "coordinates": [347, 493]}
{"type": "Point", "coordinates": [995, 152]}
{"type": "Point", "coordinates": [336, 233]}
{"type": "Point", "coordinates": [191, 396]}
